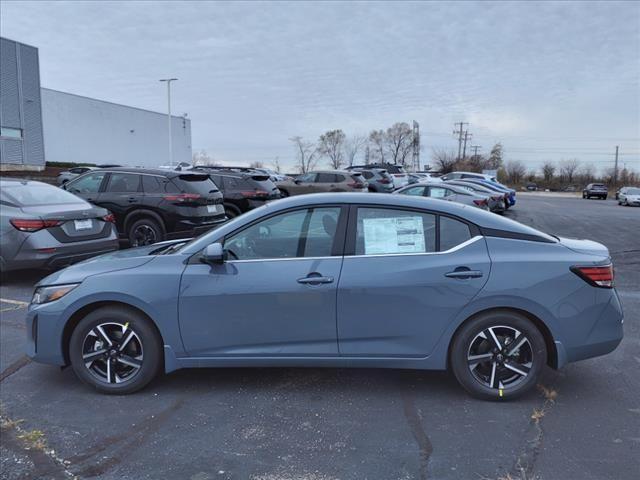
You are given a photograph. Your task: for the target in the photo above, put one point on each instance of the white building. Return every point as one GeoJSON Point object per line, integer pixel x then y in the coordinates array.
{"type": "Point", "coordinates": [85, 130]}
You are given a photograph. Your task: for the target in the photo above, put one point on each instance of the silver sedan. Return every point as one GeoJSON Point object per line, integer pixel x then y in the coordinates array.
{"type": "Point", "coordinates": [443, 191]}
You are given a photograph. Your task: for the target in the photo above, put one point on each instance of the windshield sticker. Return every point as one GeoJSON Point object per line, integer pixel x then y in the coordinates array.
{"type": "Point", "coordinates": [393, 235]}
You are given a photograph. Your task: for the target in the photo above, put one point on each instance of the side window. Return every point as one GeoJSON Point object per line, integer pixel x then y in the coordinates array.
{"type": "Point", "coordinates": [340, 178]}
{"type": "Point", "coordinates": [367, 175]}
{"type": "Point", "coordinates": [86, 184]}
{"type": "Point", "coordinates": [438, 192]}
{"type": "Point", "coordinates": [307, 177]}
{"type": "Point", "coordinates": [417, 191]}
{"type": "Point", "coordinates": [383, 231]}
{"type": "Point", "coordinates": [302, 233]}
{"type": "Point", "coordinates": [123, 183]}
{"type": "Point", "coordinates": [217, 179]}
{"type": "Point", "coordinates": [452, 233]}
{"type": "Point", "coordinates": [326, 178]}
{"type": "Point", "coordinates": [151, 184]}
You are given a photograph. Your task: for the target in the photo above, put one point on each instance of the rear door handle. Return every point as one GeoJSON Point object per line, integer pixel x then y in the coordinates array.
{"type": "Point", "coordinates": [315, 280]}
{"type": "Point", "coordinates": [133, 200]}
{"type": "Point", "coordinates": [462, 274]}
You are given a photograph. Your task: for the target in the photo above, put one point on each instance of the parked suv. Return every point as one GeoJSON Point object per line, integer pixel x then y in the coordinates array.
{"type": "Point", "coordinates": [243, 188]}
{"type": "Point", "coordinates": [598, 190]}
{"type": "Point", "coordinates": [325, 181]}
{"type": "Point", "coordinates": [399, 174]}
{"type": "Point", "coordinates": [379, 179]}
{"type": "Point", "coordinates": [151, 205]}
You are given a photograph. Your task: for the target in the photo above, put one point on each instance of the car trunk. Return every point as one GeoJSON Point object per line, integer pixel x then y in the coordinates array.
{"type": "Point", "coordinates": [199, 197]}
{"type": "Point", "coordinates": [77, 221]}
{"type": "Point", "coordinates": [585, 246]}
{"type": "Point", "coordinates": [263, 188]}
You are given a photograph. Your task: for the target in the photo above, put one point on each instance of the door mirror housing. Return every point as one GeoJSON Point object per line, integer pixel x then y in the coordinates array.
{"type": "Point", "coordinates": [297, 182]}
{"type": "Point", "coordinates": [213, 254]}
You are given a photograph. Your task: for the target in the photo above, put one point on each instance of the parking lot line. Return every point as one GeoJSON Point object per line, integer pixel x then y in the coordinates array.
{"type": "Point", "coordinates": [14, 302]}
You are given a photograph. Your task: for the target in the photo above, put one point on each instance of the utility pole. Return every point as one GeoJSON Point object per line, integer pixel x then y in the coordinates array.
{"type": "Point", "coordinates": [168, 81]}
{"type": "Point", "coordinates": [459, 132]}
{"type": "Point", "coordinates": [366, 156]}
{"type": "Point", "coordinates": [416, 147]}
{"type": "Point", "coordinates": [615, 170]}
{"type": "Point", "coordinates": [475, 150]}
{"type": "Point", "coordinates": [467, 136]}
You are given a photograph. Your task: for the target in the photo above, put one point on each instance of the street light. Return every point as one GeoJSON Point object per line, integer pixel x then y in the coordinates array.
{"type": "Point", "coordinates": [169, 80]}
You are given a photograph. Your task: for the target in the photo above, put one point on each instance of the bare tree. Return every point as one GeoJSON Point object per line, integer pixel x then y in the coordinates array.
{"type": "Point", "coordinates": [203, 158]}
{"type": "Point", "coordinates": [256, 164]}
{"type": "Point", "coordinates": [568, 169]}
{"type": "Point", "coordinates": [377, 141]}
{"type": "Point", "coordinates": [306, 154]}
{"type": "Point", "coordinates": [352, 146]}
{"type": "Point", "coordinates": [548, 169]}
{"type": "Point", "coordinates": [444, 160]}
{"type": "Point", "coordinates": [587, 173]}
{"type": "Point", "coordinates": [330, 145]}
{"type": "Point", "coordinates": [276, 165]}
{"type": "Point", "coordinates": [515, 171]}
{"type": "Point", "coordinates": [399, 140]}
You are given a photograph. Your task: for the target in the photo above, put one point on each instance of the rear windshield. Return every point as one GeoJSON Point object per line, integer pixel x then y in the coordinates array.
{"type": "Point", "coordinates": [32, 194]}
{"type": "Point", "coordinates": [598, 185]}
{"type": "Point", "coordinates": [262, 183]}
{"type": "Point", "coordinates": [193, 183]}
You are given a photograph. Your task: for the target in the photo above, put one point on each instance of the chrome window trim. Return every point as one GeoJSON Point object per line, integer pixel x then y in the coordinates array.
{"type": "Point", "coordinates": [453, 249]}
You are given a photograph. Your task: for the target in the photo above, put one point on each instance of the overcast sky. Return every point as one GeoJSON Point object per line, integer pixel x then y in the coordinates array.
{"type": "Point", "coordinates": [548, 80]}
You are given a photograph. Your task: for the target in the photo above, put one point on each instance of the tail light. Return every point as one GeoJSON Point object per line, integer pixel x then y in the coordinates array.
{"type": "Point", "coordinates": [385, 181]}
{"type": "Point", "coordinates": [355, 184]}
{"type": "Point", "coordinates": [109, 218]}
{"type": "Point", "coordinates": [181, 197]}
{"type": "Point", "coordinates": [255, 194]}
{"type": "Point", "coordinates": [25, 225]}
{"type": "Point", "coordinates": [480, 203]}
{"type": "Point", "coordinates": [601, 276]}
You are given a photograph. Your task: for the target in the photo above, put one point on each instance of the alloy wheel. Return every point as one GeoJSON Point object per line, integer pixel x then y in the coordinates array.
{"type": "Point", "coordinates": [112, 352]}
{"type": "Point", "coordinates": [500, 357]}
{"type": "Point", "coordinates": [144, 235]}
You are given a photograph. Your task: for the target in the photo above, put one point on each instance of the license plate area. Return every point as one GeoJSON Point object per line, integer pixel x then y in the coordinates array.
{"type": "Point", "coordinates": [83, 224]}
{"type": "Point", "coordinates": [214, 208]}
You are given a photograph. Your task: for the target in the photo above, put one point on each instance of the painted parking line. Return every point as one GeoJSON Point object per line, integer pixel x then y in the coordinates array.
{"type": "Point", "coordinates": [15, 304]}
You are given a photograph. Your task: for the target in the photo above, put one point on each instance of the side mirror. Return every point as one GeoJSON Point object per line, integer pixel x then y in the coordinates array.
{"type": "Point", "coordinates": [297, 182]}
{"type": "Point", "coordinates": [213, 254]}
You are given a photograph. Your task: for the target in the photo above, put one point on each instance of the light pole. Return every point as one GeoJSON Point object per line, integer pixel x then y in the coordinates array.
{"type": "Point", "coordinates": [169, 80]}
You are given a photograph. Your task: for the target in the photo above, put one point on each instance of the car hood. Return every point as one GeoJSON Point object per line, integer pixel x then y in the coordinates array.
{"type": "Point", "coordinates": [109, 262]}
{"type": "Point", "coordinates": [633, 198]}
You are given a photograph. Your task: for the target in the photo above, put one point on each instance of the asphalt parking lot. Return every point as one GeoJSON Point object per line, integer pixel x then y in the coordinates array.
{"type": "Point", "coordinates": [323, 424]}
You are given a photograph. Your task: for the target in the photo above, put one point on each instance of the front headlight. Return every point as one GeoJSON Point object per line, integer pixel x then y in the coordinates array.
{"type": "Point", "coordinates": [49, 294]}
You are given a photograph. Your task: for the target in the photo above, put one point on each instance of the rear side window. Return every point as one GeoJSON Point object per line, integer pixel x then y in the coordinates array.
{"type": "Point", "coordinates": [439, 192]}
{"type": "Point", "coordinates": [200, 184]}
{"type": "Point", "coordinates": [123, 183]}
{"type": "Point", "coordinates": [452, 233]}
{"type": "Point", "coordinates": [416, 191]}
{"type": "Point", "coordinates": [151, 184]}
{"type": "Point", "coordinates": [384, 231]}
{"type": "Point", "coordinates": [231, 183]}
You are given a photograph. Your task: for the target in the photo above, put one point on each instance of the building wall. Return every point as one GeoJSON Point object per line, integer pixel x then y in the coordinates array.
{"type": "Point", "coordinates": [21, 138]}
{"type": "Point", "coordinates": [85, 130]}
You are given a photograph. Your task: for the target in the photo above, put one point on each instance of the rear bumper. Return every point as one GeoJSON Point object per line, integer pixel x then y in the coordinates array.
{"type": "Point", "coordinates": [604, 336]}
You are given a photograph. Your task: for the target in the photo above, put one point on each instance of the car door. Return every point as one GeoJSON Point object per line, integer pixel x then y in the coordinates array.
{"type": "Point", "coordinates": [402, 282]}
{"type": "Point", "coordinates": [275, 295]}
{"type": "Point", "coordinates": [121, 194]}
{"type": "Point", "coordinates": [87, 186]}
{"type": "Point", "coordinates": [304, 184]}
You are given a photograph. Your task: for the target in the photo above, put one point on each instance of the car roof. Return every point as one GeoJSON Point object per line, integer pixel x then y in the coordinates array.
{"type": "Point", "coordinates": [477, 216]}
{"type": "Point", "coordinates": [150, 171]}
{"type": "Point", "coordinates": [342, 172]}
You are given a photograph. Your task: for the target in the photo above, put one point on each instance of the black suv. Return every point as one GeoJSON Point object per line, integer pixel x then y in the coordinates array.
{"type": "Point", "coordinates": [151, 205]}
{"type": "Point", "coordinates": [243, 188]}
{"type": "Point", "coordinates": [598, 190]}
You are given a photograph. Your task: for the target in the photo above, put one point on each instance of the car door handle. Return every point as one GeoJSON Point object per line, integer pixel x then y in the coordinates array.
{"type": "Point", "coordinates": [315, 280]}
{"type": "Point", "coordinates": [133, 200]}
{"type": "Point", "coordinates": [463, 272]}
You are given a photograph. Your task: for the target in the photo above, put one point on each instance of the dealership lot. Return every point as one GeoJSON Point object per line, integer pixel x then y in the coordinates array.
{"type": "Point", "coordinates": [583, 423]}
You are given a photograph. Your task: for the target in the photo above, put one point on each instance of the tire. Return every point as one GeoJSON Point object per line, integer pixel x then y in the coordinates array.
{"type": "Point", "coordinates": [230, 212]}
{"type": "Point", "coordinates": [144, 231]}
{"type": "Point", "coordinates": [584, 195]}
{"type": "Point", "coordinates": [142, 346]}
{"type": "Point", "coordinates": [283, 193]}
{"type": "Point", "coordinates": [480, 379]}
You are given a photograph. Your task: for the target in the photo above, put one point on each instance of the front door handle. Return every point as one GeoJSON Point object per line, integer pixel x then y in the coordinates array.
{"type": "Point", "coordinates": [463, 272]}
{"type": "Point", "coordinates": [315, 280]}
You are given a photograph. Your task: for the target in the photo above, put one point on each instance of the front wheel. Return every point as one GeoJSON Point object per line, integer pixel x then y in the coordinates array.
{"type": "Point", "coordinates": [115, 350]}
{"type": "Point", "coordinates": [498, 355]}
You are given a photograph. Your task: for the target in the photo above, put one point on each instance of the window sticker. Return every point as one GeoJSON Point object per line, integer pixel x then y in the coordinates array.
{"type": "Point", "coordinates": [393, 235]}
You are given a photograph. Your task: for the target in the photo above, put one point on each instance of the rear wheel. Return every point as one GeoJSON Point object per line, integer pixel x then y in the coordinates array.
{"type": "Point", "coordinates": [144, 231]}
{"type": "Point", "coordinates": [284, 193]}
{"type": "Point", "coordinates": [498, 355]}
{"type": "Point", "coordinates": [115, 350]}
{"type": "Point", "coordinates": [230, 212]}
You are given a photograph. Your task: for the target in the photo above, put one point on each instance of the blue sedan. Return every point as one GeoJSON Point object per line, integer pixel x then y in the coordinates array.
{"type": "Point", "coordinates": [336, 280]}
